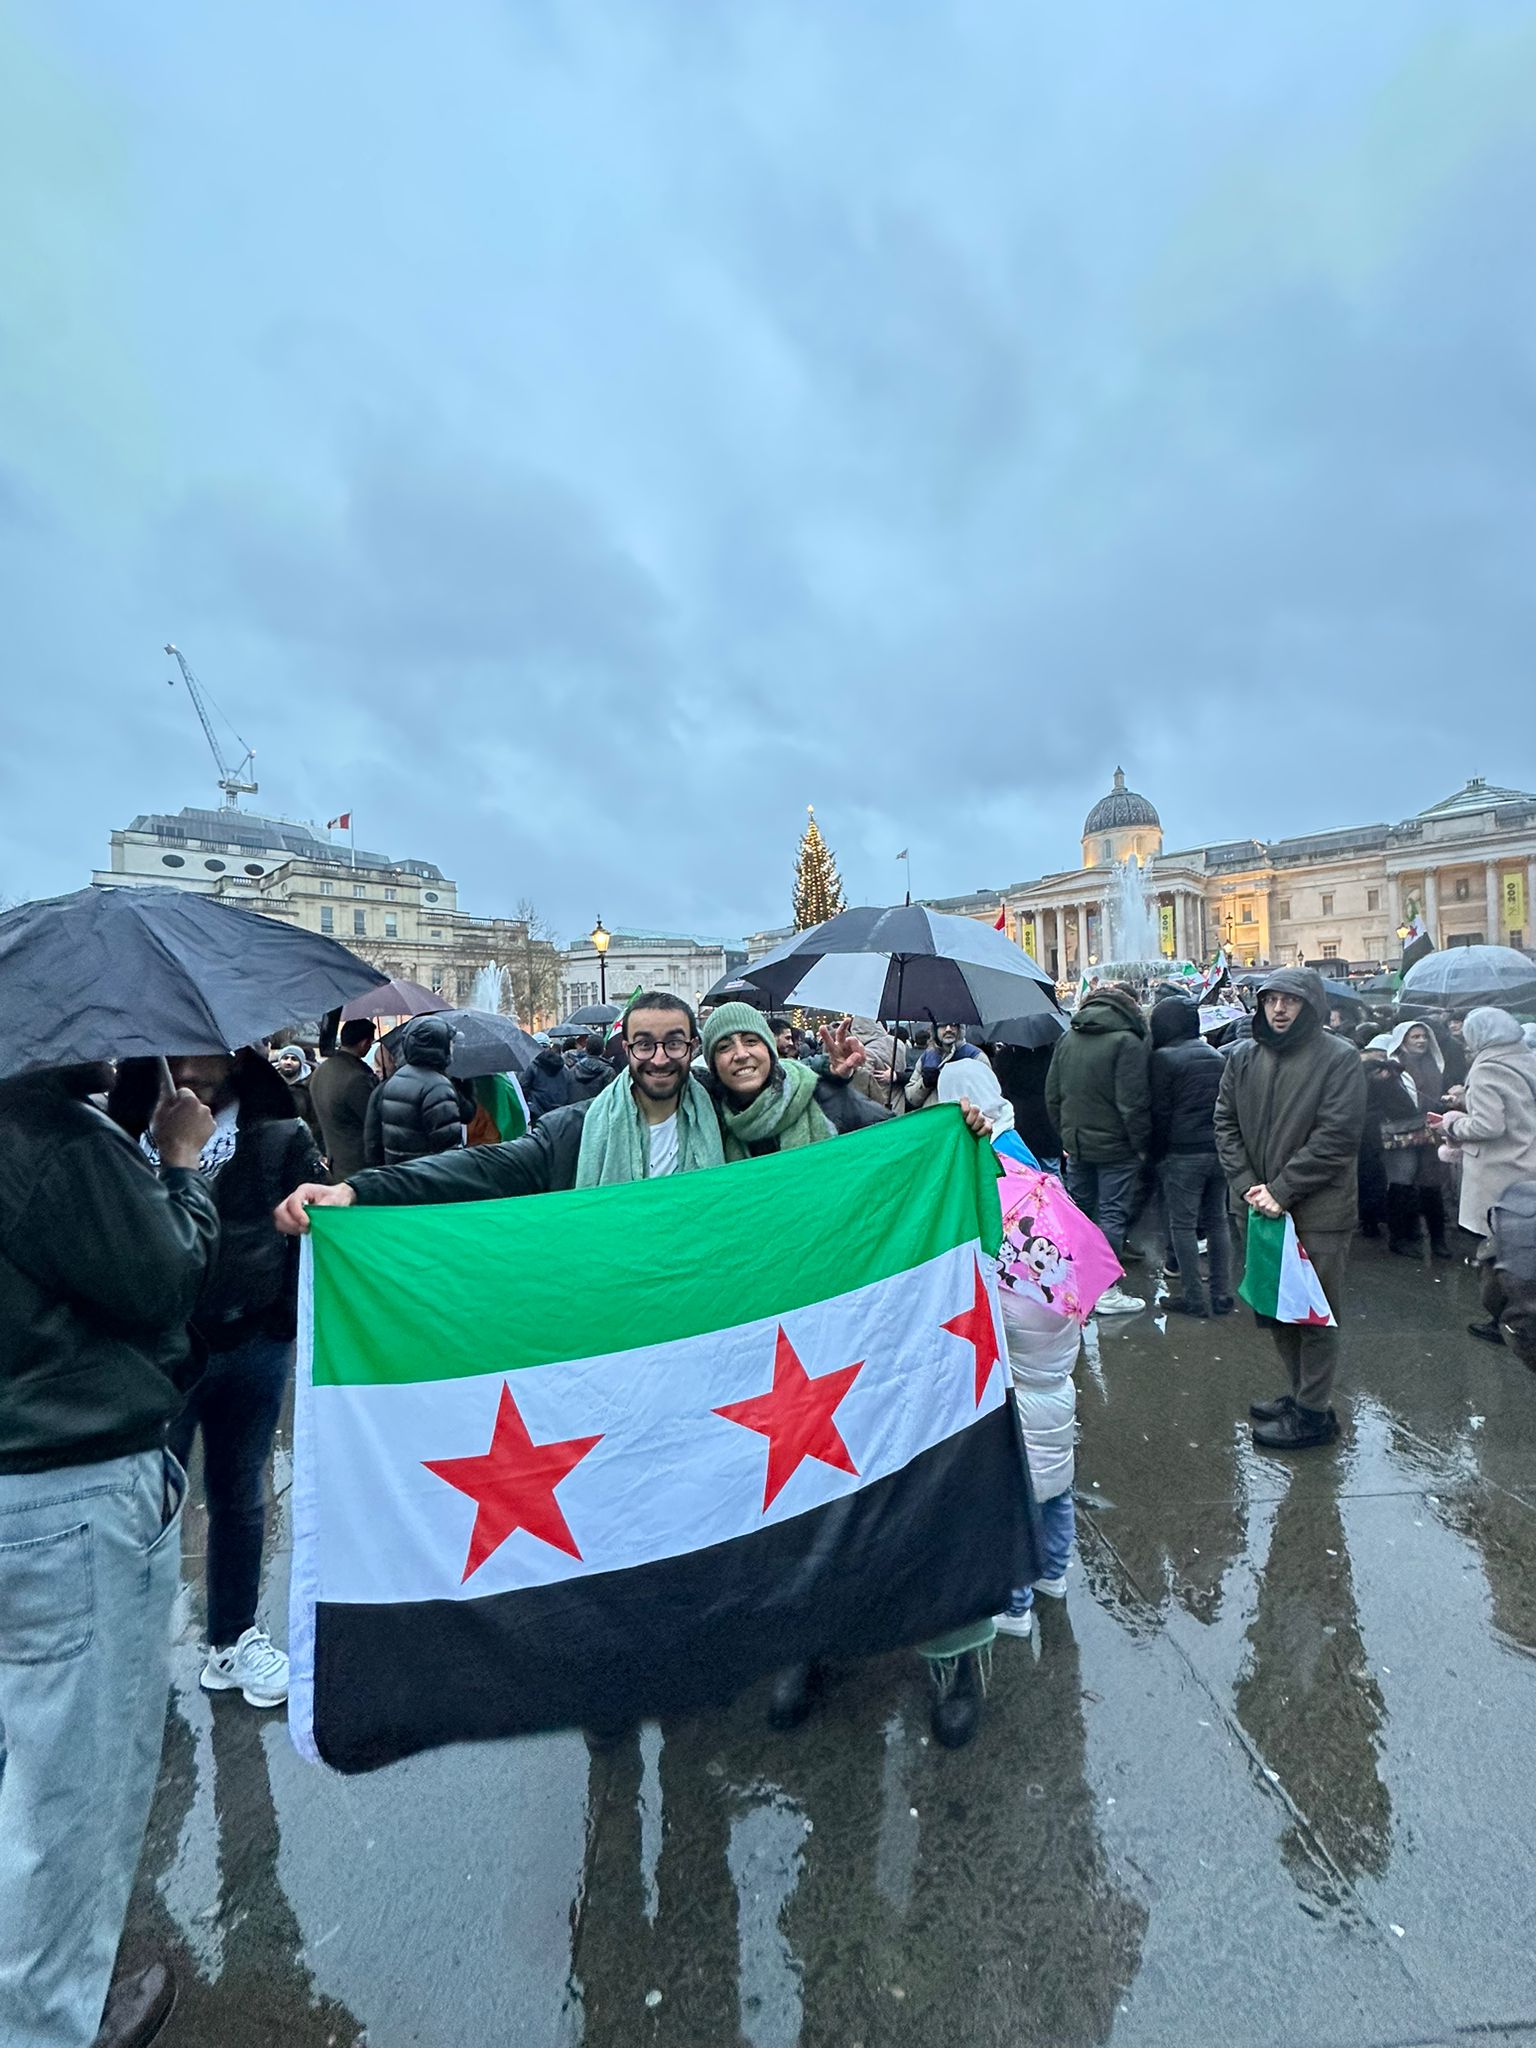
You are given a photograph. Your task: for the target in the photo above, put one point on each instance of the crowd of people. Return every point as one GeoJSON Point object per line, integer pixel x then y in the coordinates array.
{"type": "Point", "coordinates": [148, 1274]}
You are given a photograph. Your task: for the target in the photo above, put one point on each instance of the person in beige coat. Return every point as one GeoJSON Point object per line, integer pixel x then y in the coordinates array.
{"type": "Point", "coordinates": [1495, 1133]}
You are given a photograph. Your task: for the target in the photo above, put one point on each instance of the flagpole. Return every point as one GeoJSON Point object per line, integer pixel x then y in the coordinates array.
{"type": "Point", "coordinates": [352, 840]}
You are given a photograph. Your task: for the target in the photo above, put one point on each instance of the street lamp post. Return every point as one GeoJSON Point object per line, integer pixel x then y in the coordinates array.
{"type": "Point", "coordinates": [600, 942]}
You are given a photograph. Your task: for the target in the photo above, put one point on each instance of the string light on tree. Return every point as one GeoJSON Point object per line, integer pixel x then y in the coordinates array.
{"type": "Point", "coordinates": [818, 885]}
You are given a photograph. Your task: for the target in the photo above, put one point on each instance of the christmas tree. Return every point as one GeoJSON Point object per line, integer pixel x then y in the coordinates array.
{"type": "Point", "coordinates": [818, 885]}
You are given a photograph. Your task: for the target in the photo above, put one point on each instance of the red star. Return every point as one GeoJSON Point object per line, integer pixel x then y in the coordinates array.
{"type": "Point", "coordinates": [513, 1485]}
{"type": "Point", "coordinates": [977, 1327]}
{"type": "Point", "coordinates": [796, 1417]}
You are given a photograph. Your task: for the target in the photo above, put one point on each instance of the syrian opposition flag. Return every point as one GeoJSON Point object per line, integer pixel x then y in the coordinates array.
{"type": "Point", "coordinates": [1417, 944]}
{"type": "Point", "coordinates": [584, 1458]}
{"type": "Point", "coordinates": [1280, 1281]}
{"type": "Point", "coordinates": [1217, 974]}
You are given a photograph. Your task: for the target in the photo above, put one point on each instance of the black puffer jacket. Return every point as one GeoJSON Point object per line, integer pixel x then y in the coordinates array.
{"type": "Point", "coordinates": [1186, 1080]}
{"type": "Point", "coordinates": [101, 1262]}
{"type": "Point", "coordinates": [419, 1108]}
{"type": "Point", "coordinates": [547, 1083]}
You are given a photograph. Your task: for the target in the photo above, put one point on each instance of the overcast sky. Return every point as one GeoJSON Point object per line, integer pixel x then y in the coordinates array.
{"type": "Point", "coordinates": [574, 437]}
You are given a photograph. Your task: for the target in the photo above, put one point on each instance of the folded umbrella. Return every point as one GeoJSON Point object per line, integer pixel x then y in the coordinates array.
{"type": "Point", "coordinates": [136, 973]}
{"type": "Point", "coordinates": [395, 999]}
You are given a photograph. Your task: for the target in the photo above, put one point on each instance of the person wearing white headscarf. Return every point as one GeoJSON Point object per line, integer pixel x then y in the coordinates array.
{"type": "Point", "coordinates": [1496, 1132]}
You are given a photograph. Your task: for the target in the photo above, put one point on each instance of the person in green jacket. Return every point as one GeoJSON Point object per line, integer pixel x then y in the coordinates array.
{"type": "Point", "coordinates": [1099, 1095]}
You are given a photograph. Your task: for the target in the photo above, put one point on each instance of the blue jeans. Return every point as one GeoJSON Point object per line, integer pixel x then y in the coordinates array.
{"type": "Point", "coordinates": [236, 1404]}
{"type": "Point", "coordinates": [1107, 1195]}
{"type": "Point", "coordinates": [90, 1559]}
{"type": "Point", "coordinates": [1058, 1531]}
{"type": "Point", "coordinates": [1195, 1190]}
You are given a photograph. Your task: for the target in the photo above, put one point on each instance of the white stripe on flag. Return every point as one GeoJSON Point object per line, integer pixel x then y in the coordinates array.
{"type": "Point", "coordinates": [669, 1475]}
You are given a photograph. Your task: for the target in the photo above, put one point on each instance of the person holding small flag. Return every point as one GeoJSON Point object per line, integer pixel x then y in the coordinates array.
{"type": "Point", "coordinates": [1288, 1122]}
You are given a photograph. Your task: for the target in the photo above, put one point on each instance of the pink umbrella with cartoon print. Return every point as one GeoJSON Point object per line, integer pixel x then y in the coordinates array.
{"type": "Point", "coordinates": [1051, 1252]}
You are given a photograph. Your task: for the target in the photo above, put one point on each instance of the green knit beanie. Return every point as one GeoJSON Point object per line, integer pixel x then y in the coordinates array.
{"type": "Point", "coordinates": [732, 1017]}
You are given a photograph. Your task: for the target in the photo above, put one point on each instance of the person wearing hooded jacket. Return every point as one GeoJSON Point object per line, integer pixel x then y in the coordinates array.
{"type": "Point", "coordinates": [1098, 1094]}
{"type": "Point", "coordinates": [546, 1083]}
{"type": "Point", "coordinates": [1288, 1122]}
{"type": "Point", "coordinates": [1186, 1078]}
{"type": "Point", "coordinates": [418, 1106]}
{"type": "Point", "coordinates": [1415, 1175]}
{"type": "Point", "coordinates": [589, 1073]}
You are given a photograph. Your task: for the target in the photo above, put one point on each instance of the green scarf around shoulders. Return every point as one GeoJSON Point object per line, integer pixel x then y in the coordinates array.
{"type": "Point", "coordinates": [616, 1139]}
{"type": "Point", "coordinates": [785, 1110]}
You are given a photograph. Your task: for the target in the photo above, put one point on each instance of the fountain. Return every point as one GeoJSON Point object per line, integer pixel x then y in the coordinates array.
{"type": "Point", "coordinates": [1132, 938]}
{"type": "Point", "coordinates": [491, 990]}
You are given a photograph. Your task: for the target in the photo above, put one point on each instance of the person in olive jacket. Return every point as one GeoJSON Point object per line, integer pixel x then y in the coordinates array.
{"type": "Point", "coordinates": [1099, 1096]}
{"type": "Point", "coordinates": [1288, 1123]}
{"type": "Point", "coordinates": [102, 1260]}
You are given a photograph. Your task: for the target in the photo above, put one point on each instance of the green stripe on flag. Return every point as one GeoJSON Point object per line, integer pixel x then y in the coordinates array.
{"type": "Point", "coordinates": [452, 1289]}
{"type": "Point", "coordinates": [1262, 1263]}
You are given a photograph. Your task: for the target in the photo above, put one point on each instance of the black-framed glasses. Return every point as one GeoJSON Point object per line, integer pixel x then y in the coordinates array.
{"type": "Point", "coordinates": [674, 1045]}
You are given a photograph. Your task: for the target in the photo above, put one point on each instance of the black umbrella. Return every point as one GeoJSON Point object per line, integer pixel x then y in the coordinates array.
{"type": "Point", "coordinates": [909, 962]}
{"type": "Point", "coordinates": [735, 988]}
{"type": "Point", "coordinates": [396, 999]}
{"type": "Point", "coordinates": [595, 1017]}
{"type": "Point", "coordinates": [134, 973]}
{"type": "Point", "coordinates": [483, 1043]}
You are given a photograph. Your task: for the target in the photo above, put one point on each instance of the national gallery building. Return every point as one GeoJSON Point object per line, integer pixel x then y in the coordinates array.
{"type": "Point", "coordinates": [1467, 864]}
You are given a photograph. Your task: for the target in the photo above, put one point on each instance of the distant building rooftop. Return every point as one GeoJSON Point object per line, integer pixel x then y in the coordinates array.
{"type": "Point", "coordinates": [254, 832]}
{"type": "Point", "coordinates": [1478, 795]}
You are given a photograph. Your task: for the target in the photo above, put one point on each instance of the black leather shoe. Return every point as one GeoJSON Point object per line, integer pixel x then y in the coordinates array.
{"type": "Point", "coordinates": [1441, 1250]}
{"type": "Point", "coordinates": [1271, 1411]}
{"type": "Point", "coordinates": [956, 1711]}
{"type": "Point", "coordinates": [1409, 1250]}
{"type": "Point", "coordinates": [1298, 1429]}
{"type": "Point", "coordinates": [1489, 1332]}
{"type": "Point", "coordinates": [1223, 1305]}
{"type": "Point", "coordinates": [138, 2006]}
{"type": "Point", "coordinates": [791, 1700]}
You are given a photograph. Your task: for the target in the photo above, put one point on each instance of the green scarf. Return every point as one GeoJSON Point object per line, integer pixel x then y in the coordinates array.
{"type": "Point", "coordinates": [616, 1139]}
{"type": "Point", "coordinates": [785, 1110]}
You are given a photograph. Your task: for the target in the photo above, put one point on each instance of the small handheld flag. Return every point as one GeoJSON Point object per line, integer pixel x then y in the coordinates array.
{"type": "Point", "coordinates": [1279, 1280]}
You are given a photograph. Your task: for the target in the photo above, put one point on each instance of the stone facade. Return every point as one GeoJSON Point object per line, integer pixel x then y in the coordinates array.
{"type": "Point", "coordinates": [683, 966]}
{"type": "Point", "coordinates": [402, 916]}
{"type": "Point", "coordinates": [1466, 864]}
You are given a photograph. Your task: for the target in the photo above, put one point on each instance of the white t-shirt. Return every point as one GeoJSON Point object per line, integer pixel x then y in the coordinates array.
{"type": "Point", "coordinates": [663, 1148]}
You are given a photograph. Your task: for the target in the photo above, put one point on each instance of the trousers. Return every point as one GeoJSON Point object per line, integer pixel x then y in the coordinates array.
{"type": "Point", "coordinates": [236, 1404]}
{"type": "Point", "coordinates": [1107, 1195]}
{"type": "Point", "coordinates": [1311, 1354]}
{"type": "Point", "coordinates": [1195, 1191]}
{"type": "Point", "coordinates": [90, 1558]}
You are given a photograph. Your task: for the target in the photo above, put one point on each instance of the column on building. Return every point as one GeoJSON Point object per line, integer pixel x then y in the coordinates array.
{"type": "Point", "coordinates": [1431, 907]}
{"type": "Point", "coordinates": [1394, 901]}
{"type": "Point", "coordinates": [1082, 937]}
{"type": "Point", "coordinates": [1495, 907]}
{"type": "Point", "coordinates": [1530, 904]}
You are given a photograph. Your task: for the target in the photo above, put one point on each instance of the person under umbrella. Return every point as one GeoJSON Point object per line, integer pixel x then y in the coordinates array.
{"type": "Point", "coordinates": [102, 1260]}
{"type": "Point", "coordinates": [1495, 1134]}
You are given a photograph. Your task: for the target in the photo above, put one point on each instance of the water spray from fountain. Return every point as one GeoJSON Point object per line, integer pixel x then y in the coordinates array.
{"type": "Point", "coordinates": [491, 990]}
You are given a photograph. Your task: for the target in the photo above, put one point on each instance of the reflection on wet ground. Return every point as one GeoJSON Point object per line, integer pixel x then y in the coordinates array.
{"type": "Point", "coordinates": [1264, 1777]}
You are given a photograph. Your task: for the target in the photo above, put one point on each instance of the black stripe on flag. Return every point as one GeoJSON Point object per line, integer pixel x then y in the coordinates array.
{"type": "Point", "coordinates": [903, 1559]}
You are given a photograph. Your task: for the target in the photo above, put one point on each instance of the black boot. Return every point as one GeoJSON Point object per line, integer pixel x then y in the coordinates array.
{"type": "Point", "coordinates": [1271, 1411]}
{"type": "Point", "coordinates": [1489, 1332]}
{"type": "Point", "coordinates": [1298, 1429]}
{"type": "Point", "coordinates": [956, 1713]}
{"type": "Point", "coordinates": [1432, 1203]}
{"type": "Point", "coordinates": [138, 2006]}
{"type": "Point", "coordinates": [791, 1700]}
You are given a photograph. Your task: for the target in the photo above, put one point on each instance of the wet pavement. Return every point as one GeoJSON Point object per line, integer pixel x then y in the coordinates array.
{"type": "Point", "coordinates": [1266, 1776]}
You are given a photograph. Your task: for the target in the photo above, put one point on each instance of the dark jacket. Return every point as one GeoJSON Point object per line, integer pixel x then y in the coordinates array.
{"type": "Point", "coordinates": [1021, 1074]}
{"type": "Point", "coordinates": [339, 1090]}
{"type": "Point", "coordinates": [547, 1083]}
{"type": "Point", "coordinates": [586, 1076]}
{"type": "Point", "coordinates": [419, 1108]}
{"type": "Point", "coordinates": [101, 1262]}
{"type": "Point", "coordinates": [1290, 1112]}
{"type": "Point", "coordinates": [1098, 1091]}
{"type": "Point", "coordinates": [541, 1163]}
{"type": "Point", "coordinates": [1186, 1079]}
{"type": "Point", "coordinates": [252, 1286]}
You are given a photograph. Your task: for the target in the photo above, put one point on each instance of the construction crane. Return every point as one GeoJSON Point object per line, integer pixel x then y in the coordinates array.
{"type": "Point", "coordinates": [230, 780]}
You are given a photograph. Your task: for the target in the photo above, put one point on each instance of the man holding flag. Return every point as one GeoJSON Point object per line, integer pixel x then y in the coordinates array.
{"type": "Point", "coordinates": [1288, 1122]}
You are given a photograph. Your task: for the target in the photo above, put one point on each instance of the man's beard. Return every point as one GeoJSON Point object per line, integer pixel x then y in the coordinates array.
{"type": "Point", "coordinates": [671, 1088]}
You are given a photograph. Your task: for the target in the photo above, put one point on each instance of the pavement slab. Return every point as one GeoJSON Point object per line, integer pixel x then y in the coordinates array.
{"type": "Point", "coordinates": [1263, 1777]}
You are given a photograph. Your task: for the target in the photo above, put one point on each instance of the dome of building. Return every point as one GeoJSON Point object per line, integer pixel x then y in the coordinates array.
{"type": "Point", "coordinates": [1120, 811]}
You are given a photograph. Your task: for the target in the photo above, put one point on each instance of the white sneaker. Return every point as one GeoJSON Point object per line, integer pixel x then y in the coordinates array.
{"type": "Point", "coordinates": [1115, 1302]}
{"type": "Point", "coordinates": [251, 1667]}
{"type": "Point", "coordinates": [1015, 1624]}
{"type": "Point", "coordinates": [1053, 1589]}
